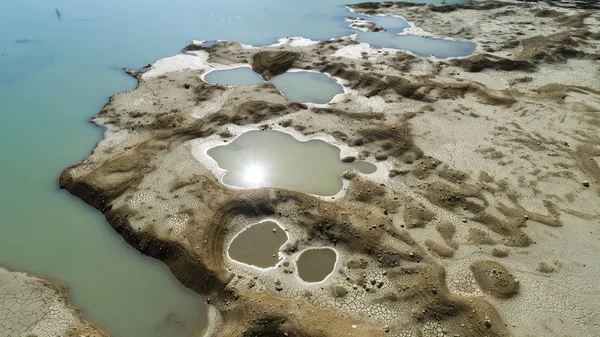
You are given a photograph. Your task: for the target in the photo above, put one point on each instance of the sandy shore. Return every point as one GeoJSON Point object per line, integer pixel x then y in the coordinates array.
{"type": "Point", "coordinates": [485, 224]}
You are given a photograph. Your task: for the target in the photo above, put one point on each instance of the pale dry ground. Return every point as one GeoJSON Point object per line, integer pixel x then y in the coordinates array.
{"type": "Point", "coordinates": [534, 146]}
{"type": "Point", "coordinates": [481, 220]}
{"type": "Point", "coordinates": [31, 306]}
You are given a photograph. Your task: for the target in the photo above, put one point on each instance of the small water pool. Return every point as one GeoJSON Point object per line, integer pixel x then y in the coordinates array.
{"type": "Point", "coordinates": [276, 159]}
{"type": "Point", "coordinates": [299, 86]}
{"type": "Point", "coordinates": [308, 87]}
{"type": "Point", "coordinates": [258, 245]}
{"type": "Point", "coordinates": [237, 77]}
{"type": "Point", "coordinates": [316, 264]}
{"type": "Point", "coordinates": [418, 45]}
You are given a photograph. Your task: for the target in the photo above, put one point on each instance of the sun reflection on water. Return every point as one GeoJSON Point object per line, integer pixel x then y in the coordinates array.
{"type": "Point", "coordinates": [254, 175]}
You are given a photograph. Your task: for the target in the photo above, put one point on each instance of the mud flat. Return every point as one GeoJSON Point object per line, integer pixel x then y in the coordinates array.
{"type": "Point", "coordinates": [36, 306]}
{"type": "Point", "coordinates": [481, 219]}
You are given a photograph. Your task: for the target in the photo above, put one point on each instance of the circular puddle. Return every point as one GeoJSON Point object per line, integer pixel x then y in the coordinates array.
{"type": "Point", "coordinates": [316, 264]}
{"type": "Point", "coordinates": [258, 245]}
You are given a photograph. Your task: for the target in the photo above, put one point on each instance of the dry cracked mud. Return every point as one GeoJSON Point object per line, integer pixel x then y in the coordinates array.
{"type": "Point", "coordinates": [33, 306]}
{"type": "Point", "coordinates": [487, 167]}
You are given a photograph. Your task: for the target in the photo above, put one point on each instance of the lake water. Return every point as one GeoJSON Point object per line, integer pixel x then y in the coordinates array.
{"type": "Point", "coordinates": [276, 159]}
{"type": "Point", "coordinates": [299, 86]}
{"type": "Point", "coordinates": [54, 75]}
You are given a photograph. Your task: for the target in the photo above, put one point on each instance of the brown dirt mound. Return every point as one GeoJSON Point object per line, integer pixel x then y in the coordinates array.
{"type": "Point", "coordinates": [550, 48]}
{"type": "Point", "coordinates": [494, 278]}
{"type": "Point", "coordinates": [269, 64]}
{"type": "Point", "coordinates": [584, 154]}
{"type": "Point", "coordinates": [371, 7]}
{"type": "Point", "coordinates": [352, 115]}
{"type": "Point", "coordinates": [440, 248]}
{"type": "Point", "coordinates": [83, 329]}
{"type": "Point", "coordinates": [480, 6]}
{"type": "Point", "coordinates": [252, 112]}
{"type": "Point", "coordinates": [422, 90]}
{"type": "Point", "coordinates": [193, 47]}
{"type": "Point", "coordinates": [481, 62]}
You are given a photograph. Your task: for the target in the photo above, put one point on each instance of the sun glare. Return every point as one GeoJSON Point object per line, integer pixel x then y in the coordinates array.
{"type": "Point", "coordinates": [254, 175]}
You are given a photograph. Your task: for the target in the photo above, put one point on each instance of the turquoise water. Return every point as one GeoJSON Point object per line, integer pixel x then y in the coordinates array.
{"type": "Point", "coordinates": [299, 86]}
{"type": "Point", "coordinates": [54, 75]}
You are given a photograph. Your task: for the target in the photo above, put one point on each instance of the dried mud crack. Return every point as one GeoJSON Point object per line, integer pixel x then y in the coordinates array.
{"type": "Point", "coordinates": [37, 306]}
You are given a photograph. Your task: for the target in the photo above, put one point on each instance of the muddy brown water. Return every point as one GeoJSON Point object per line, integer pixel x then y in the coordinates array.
{"type": "Point", "coordinates": [315, 264]}
{"type": "Point", "coordinates": [258, 245]}
{"type": "Point", "coordinates": [276, 159]}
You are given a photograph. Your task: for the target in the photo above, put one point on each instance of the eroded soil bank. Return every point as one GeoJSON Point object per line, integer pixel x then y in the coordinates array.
{"type": "Point", "coordinates": [476, 224]}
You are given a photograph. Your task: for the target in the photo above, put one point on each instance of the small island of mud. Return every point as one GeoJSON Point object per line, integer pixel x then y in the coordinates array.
{"type": "Point", "coordinates": [494, 152]}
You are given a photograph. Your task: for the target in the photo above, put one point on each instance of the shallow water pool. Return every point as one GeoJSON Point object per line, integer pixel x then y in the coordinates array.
{"type": "Point", "coordinates": [258, 245]}
{"type": "Point", "coordinates": [315, 264]}
{"type": "Point", "coordinates": [236, 77]}
{"type": "Point", "coordinates": [308, 87]}
{"type": "Point", "coordinates": [299, 86]}
{"type": "Point", "coordinates": [277, 159]}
